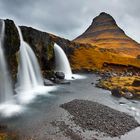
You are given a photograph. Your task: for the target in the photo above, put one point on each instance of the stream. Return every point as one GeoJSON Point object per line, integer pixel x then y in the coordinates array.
{"type": "Point", "coordinates": [35, 122]}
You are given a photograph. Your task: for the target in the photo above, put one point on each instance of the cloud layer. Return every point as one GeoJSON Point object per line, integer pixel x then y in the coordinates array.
{"type": "Point", "coordinates": [69, 18]}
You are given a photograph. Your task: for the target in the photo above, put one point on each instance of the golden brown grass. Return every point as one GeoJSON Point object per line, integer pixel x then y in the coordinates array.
{"type": "Point", "coordinates": [94, 58]}
{"type": "Point", "coordinates": [123, 83]}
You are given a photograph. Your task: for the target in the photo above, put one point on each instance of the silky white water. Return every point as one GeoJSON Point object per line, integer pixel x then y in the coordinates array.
{"type": "Point", "coordinates": [29, 74]}
{"type": "Point", "coordinates": [8, 105]}
{"type": "Point", "coordinates": [61, 62]}
{"type": "Point", "coordinates": [6, 91]}
{"type": "Point", "coordinates": [29, 78]}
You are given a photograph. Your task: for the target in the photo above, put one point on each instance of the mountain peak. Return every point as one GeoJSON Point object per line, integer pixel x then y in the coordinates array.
{"type": "Point", "coordinates": [103, 21]}
{"type": "Point", "coordinates": [103, 16]}
{"type": "Point", "coordinates": [105, 33]}
{"type": "Point", "coordinates": [103, 27]}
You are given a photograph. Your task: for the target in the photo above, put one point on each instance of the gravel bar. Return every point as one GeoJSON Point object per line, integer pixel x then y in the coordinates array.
{"type": "Point", "coordinates": [94, 116]}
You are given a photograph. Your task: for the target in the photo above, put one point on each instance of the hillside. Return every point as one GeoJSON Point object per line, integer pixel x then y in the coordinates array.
{"type": "Point", "coordinates": [113, 46]}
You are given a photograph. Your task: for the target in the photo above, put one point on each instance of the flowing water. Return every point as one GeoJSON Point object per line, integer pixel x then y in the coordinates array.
{"type": "Point", "coordinates": [29, 78]}
{"type": "Point", "coordinates": [61, 62]}
{"type": "Point", "coordinates": [6, 91]}
{"type": "Point", "coordinates": [35, 122]}
{"type": "Point", "coordinates": [29, 74]}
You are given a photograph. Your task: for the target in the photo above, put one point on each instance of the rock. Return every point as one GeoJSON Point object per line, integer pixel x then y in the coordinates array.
{"type": "Point", "coordinates": [99, 85]}
{"type": "Point", "coordinates": [60, 75]}
{"type": "Point", "coordinates": [128, 95]}
{"type": "Point", "coordinates": [65, 82]}
{"type": "Point", "coordinates": [136, 83]}
{"type": "Point", "coordinates": [73, 77]}
{"type": "Point", "coordinates": [122, 103]}
{"type": "Point", "coordinates": [48, 82]}
{"type": "Point", "coordinates": [60, 81]}
{"type": "Point", "coordinates": [42, 43]}
{"type": "Point", "coordinates": [11, 46]}
{"type": "Point", "coordinates": [116, 92]}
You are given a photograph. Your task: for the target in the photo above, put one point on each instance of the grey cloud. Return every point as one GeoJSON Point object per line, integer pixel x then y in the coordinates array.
{"type": "Point", "coordinates": [69, 18]}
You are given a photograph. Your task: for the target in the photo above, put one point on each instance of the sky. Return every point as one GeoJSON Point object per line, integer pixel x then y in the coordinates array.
{"type": "Point", "coordinates": [70, 18]}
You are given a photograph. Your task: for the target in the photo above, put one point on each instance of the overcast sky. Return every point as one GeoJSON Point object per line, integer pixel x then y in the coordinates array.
{"type": "Point", "coordinates": [70, 18]}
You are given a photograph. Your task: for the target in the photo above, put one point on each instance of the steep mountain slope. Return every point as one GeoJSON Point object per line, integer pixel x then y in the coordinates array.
{"type": "Point", "coordinates": [111, 45]}
{"type": "Point", "coordinates": [105, 33]}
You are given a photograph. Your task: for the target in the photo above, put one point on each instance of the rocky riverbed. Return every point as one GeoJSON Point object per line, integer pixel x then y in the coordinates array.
{"type": "Point", "coordinates": [126, 83]}
{"type": "Point", "coordinates": [44, 119]}
{"type": "Point", "coordinates": [94, 116]}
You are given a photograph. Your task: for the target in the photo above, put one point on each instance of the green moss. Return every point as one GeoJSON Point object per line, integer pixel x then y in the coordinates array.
{"type": "Point", "coordinates": [50, 51]}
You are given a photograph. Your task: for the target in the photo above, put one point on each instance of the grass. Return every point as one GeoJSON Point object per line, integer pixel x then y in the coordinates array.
{"type": "Point", "coordinates": [94, 58]}
{"type": "Point", "coordinates": [123, 83]}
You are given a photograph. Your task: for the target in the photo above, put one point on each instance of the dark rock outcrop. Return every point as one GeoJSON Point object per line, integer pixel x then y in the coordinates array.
{"type": "Point", "coordinates": [116, 92]}
{"type": "Point", "coordinates": [136, 83]}
{"type": "Point", "coordinates": [60, 75]}
{"type": "Point", "coordinates": [11, 46]}
{"type": "Point", "coordinates": [42, 43]}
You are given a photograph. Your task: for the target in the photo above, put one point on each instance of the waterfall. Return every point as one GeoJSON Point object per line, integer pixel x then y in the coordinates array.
{"type": "Point", "coordinates": [6, 91]}
{"type": "Point", "coordinates": [29, 73]}
{"type": "Point", "coordinates": [61, 62]}
{"type": "Point", "coordinates": [29, 79]}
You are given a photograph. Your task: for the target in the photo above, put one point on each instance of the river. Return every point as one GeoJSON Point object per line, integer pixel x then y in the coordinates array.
{"type": "Point", "coordinates": [35, 122]}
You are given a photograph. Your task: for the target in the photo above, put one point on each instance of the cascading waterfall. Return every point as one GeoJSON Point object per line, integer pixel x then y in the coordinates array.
{"type": "Point", "coordinates": [29, 74]}
{"type": "Point", "coordinates": [6, 91]}
{"type": "Point", "coordinates": [61, 62]}
{"type": "Point", "coordinates": [8, 105]}
{"type": "Point", "coordinates": [29, 79]}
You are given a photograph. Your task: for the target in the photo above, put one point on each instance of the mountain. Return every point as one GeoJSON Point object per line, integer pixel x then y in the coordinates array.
{"type": "Point", "coordinates": [105, 33]}
{"type": "Point", "coordinates": [111, 45]}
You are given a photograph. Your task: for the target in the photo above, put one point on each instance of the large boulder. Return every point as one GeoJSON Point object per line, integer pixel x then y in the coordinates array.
{"type": "Point", "coordinates": [136, 83]}
{"type": "Point", "coordinates": [128, 95]}
{"type": "Point", "coordinates": [60, 75]}
{"type": "Point", "coordinates": [116, 92]}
